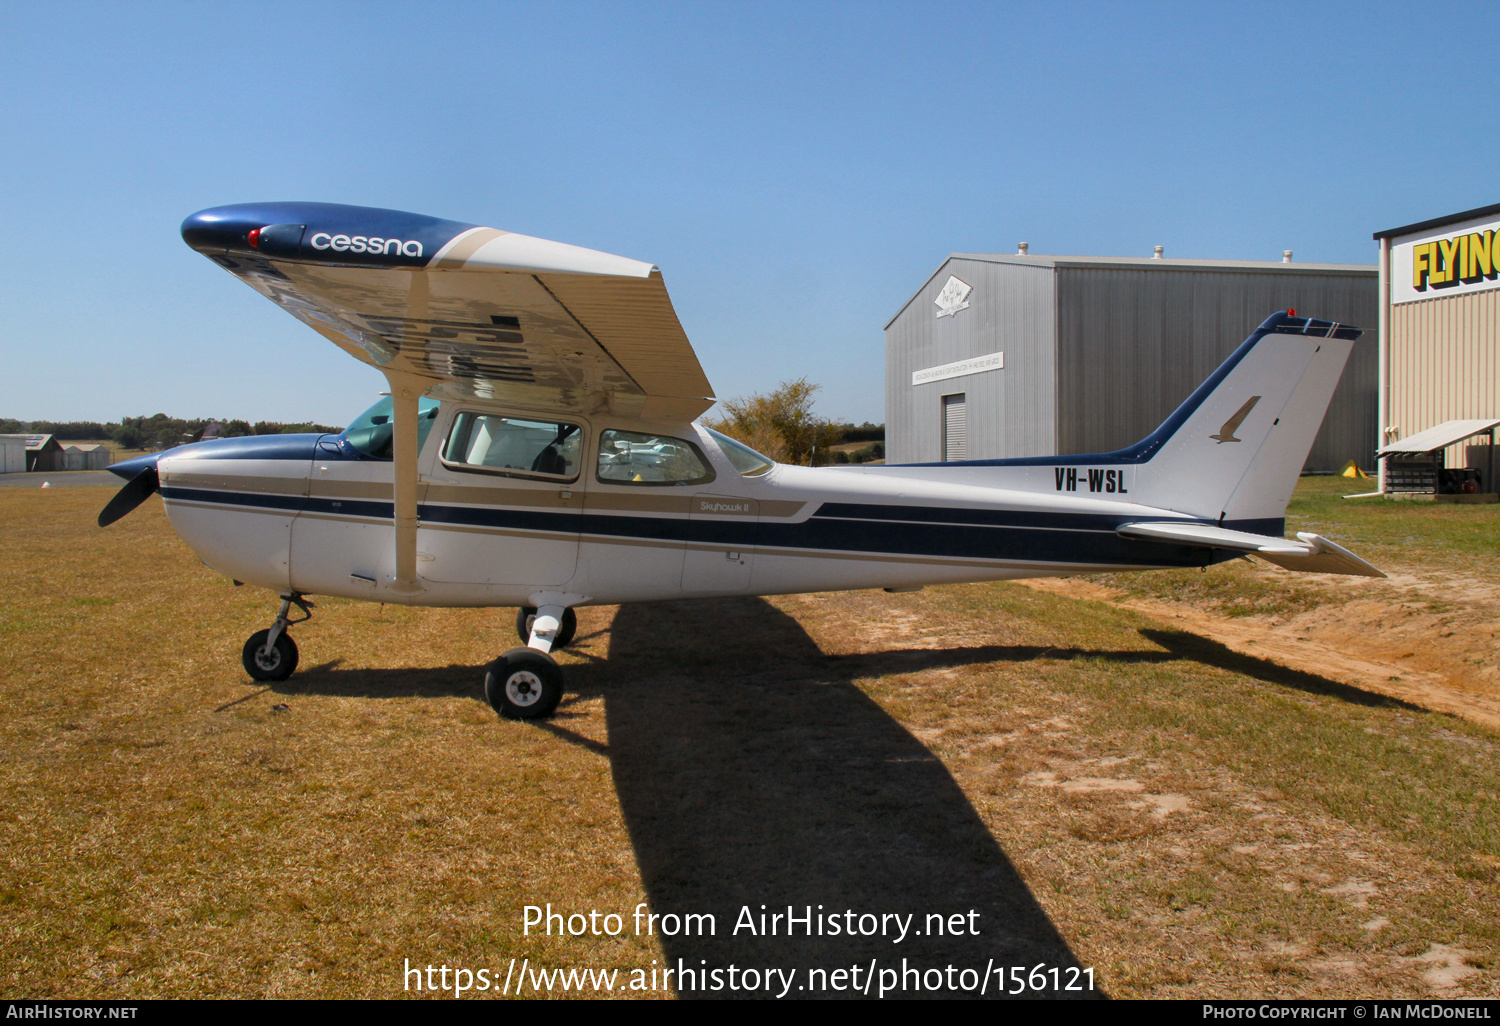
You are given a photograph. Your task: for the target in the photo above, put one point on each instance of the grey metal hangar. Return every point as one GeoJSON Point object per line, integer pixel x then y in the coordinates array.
{"type": "Point", "coordinates": [1011, 355]}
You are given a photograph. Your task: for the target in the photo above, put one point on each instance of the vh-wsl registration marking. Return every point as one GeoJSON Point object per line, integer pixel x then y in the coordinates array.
{"type": "Point", "coordinates": [1094, 479]}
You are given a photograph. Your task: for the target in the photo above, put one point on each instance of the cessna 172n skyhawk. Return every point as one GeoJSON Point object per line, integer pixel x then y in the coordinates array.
{"type": "Point", "coordinates": [539, 449]}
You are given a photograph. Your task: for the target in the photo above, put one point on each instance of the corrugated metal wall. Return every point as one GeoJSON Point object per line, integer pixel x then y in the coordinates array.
{"type": "Point", "coordinates": [1445, 363]}
{"type": "Point", "coordinates": [1010, 411]}
{"type": "Point", "coordinates": [1134, 342]}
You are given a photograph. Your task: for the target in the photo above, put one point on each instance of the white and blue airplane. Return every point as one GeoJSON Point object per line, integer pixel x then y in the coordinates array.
{"type": "Point", "coordinates": [539, 448]}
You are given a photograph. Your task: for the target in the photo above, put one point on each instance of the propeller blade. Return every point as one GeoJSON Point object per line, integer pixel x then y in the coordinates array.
{"type": "Point", "coordinates": [136, 491]}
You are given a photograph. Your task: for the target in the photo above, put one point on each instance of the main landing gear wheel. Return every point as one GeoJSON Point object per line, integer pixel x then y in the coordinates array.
{"type": "Point", "coordinates": [565, 630]}
{"type": "Point", "coordinates": [523, 684]}
{"type": "Point", "coordinates": [273, 664]}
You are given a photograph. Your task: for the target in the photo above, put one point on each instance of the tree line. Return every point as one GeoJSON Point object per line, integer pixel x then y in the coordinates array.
{"type": "Point", "coordinates": [782, 425]}
{"type": "Point", "coordinates": [155, 432]}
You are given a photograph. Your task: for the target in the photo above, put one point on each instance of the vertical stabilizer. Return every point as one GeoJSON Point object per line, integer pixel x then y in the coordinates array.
{"type": "Point", "coordinates": [1233, 451]}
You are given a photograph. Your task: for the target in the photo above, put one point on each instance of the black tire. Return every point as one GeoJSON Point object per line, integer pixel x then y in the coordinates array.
{"type": "Point", "coordinates": [565, 630]}
{"type": "Point", "coordinates": [277, 664]}
{"type": "Point", "coordinates": [523, 684]}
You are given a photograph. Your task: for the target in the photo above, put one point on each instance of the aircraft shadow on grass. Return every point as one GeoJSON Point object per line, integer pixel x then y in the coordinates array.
{"type": "Point", "coordinates": [752, 771]}
{"type": "Point", "coordinates": [1185, 645]}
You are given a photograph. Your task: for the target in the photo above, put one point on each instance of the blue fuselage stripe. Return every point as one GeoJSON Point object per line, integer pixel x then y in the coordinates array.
{"type": "Point", "coordinates": [888, 530]}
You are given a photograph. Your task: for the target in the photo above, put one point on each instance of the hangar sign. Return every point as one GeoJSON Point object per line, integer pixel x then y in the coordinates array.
{"type": "Point", "coordinates": [1447, 261]}
{"type": "Point", "coordinates": [988, 362]}
{"type": "Point", "coordinates": [953, 298]}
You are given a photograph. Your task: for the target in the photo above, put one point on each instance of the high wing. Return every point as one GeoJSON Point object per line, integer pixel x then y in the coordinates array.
{"type": "Point", "coordinates": [450, 309]}
{"type": "Point", "coordinates": [464, 311]}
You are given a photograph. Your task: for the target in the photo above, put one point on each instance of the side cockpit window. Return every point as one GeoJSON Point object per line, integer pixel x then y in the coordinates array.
{"type": "Point", "coordinates": [486, 441]}
{"type": "Point", "coordinates": [633, 457]}
{"type": "Point", "coordinates": [372, 432]}
{"type": "Point", "coordinates": [745, 459]}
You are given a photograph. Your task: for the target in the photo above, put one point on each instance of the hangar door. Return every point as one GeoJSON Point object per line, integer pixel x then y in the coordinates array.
{"type": "Point", "coordinates": [955, 428]}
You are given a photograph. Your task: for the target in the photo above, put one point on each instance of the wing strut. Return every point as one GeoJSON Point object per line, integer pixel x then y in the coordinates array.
{"type": "Point", "coordinates": [406, 389]}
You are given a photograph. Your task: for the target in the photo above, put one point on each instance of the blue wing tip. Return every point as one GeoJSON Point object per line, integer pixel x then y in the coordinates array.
{"type": "Point", "coordinates": [333, 233]}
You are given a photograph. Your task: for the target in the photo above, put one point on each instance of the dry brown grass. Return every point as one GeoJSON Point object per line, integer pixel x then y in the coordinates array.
{"type": "Point", "coordinates": [1183, 820]}
{"type": "Point", "coordinates": [167, 833]}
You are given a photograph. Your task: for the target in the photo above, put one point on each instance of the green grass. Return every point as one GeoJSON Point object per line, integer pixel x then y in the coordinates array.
{"type": "Point", "coordinates": [1411, 531]}
{"type": "Point", "coordinates": [1234, 589]}
{"type": "Point", "coordinates": [1339, 748]}
{"type": "Point", "coordinates": [1366, 773]}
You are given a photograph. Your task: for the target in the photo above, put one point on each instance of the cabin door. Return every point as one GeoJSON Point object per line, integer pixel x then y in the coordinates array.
{"type": "Point", "coordinates": [503, 503]}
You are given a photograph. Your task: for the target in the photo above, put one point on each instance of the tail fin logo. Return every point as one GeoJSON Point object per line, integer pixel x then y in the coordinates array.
{"type": "Point", "coordinates": [1226, 433]}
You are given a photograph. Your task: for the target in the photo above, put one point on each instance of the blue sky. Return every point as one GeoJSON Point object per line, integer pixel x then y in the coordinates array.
{"type": "Point", "coordinates": [796, 170]}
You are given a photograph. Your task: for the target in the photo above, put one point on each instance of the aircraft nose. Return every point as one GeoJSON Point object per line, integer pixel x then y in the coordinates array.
{"type": "Point", "coordinates": [129, 469]}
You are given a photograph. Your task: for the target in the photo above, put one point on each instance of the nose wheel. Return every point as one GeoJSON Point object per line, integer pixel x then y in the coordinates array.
{"type": "Point", "coordinates": [268, 660]}
{"type": "Point", "coordinates": [271, 654]}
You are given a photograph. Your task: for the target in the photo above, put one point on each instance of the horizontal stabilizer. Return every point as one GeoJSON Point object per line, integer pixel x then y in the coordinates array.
{"type": "Point", "coordinates": [1311, 553]}
{"type": "Point", "coordinates": [1323, 557]}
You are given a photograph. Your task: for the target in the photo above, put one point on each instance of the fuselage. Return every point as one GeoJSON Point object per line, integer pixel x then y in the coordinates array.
{"type": "Point", "coordinates": [617, 518]}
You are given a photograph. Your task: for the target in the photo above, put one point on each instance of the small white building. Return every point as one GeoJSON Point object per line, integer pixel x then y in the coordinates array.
{"type": "Point", "coordinates": [12, 454]}
{"type": "Point", "coordinates": [86, 457]}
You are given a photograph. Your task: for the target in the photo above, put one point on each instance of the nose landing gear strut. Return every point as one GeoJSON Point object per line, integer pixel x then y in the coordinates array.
{"type": "Point", "coordinates": [271, 655]}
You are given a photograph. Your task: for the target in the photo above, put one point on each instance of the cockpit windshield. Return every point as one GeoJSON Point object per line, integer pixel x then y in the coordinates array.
{"type": "Point", "coordinates": [745, 459]}
{"type": "Point", "coordinates": [371, 432]}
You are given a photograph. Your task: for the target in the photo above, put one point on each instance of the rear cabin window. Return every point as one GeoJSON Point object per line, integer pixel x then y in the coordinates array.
{"type": "Point", "coordinates": [512, 445]}
{"type": "Point", "coordinates": [630, 457]}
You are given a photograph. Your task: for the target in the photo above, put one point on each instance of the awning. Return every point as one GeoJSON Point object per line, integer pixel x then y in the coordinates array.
{"type": "Point", "coordinates": [1445, 434]}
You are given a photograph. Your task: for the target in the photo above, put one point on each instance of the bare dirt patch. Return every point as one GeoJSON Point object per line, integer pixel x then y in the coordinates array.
{"type": "Point", "coordinates": [1432, 639]}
